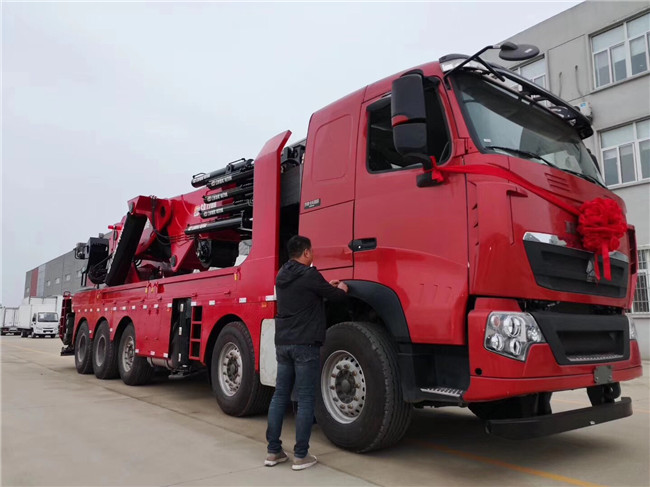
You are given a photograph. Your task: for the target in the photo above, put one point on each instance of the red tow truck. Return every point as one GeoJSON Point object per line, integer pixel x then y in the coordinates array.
{"type": "Point", "coordinates": [450, 198]}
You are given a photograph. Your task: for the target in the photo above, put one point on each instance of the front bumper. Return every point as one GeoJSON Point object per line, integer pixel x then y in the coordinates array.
{"type": "Point", "coordinates": [550, 424]}
{"type": "Point", "coordinates": [45, 331]}
{"type": "Point", "coordinates": [494, 377]}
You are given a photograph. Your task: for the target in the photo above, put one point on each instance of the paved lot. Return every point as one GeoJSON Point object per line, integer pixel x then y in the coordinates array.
{"type": "Point", "coordinates": [61, 428]}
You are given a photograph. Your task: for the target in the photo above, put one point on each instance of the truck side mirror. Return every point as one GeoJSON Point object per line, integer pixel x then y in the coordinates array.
{"type": "Point", "coordinates": [408, 115]}
{"type": "Point", "coordinates": [409, 122]}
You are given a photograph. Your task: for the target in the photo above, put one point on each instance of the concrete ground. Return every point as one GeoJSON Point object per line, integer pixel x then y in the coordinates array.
{"type": "Point", "coordinates": [61, 428]}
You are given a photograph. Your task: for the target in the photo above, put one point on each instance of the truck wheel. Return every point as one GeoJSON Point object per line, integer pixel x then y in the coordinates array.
{"type": "Point", "coordinates": [104, 353]}
{"type": "Point", "coordinates": [360, 405]}
{"type": "Point", "coordinates": [83, 347]}
{"type": "Point", "coordinates": [235, 383]}
{"type": "Point", "coordinates": [134, 370]}
{"type": "Point", "coordinates": [23, 334]}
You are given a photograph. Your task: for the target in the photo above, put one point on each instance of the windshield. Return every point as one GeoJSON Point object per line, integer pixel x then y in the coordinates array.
{"type": "Point", "coordinates": [48, 317]}
{"type": "Point", "coordinates": [506, 123]}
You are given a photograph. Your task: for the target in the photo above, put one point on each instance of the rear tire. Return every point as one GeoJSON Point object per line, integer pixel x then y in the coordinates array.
{"type": "Point", "coordinates": [360, 405]}
{"type": "Point", "coordinates": [104, 353]}
{"type": "Point", "coordinates": [83, 350]}
{"type": "Point", "coordinates": [133, 370]}
{"type": "Point", "coordinates": [235, 383]}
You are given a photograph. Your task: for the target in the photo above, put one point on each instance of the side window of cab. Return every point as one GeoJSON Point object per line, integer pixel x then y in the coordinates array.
{"type": "Point", "coordinates": [381, 153]}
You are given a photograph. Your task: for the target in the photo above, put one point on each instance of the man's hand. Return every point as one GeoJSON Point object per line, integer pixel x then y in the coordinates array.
{"type": "Point", "coordinates": [335, 282]}
{"type": "Point", "coordinates": [343, 286]}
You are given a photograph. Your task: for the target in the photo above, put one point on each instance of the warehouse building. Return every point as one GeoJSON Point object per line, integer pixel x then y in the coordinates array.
{"type": "Point", "coordinates": [55, 277]}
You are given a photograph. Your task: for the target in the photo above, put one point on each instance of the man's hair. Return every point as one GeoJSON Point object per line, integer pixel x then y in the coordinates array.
{"type": "Point", "coordinates": [297, 245]}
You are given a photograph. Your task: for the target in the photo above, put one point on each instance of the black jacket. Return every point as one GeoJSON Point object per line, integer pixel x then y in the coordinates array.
{"type": "Point", "coordinates": [301, 313]}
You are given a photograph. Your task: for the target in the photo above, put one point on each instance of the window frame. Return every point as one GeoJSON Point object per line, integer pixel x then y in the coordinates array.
{"type": "Point", "coordinates": [636, 152]}
{"type": "Point", "coordinates": [646, 273]}
{"type": "Point", "coordinates": [385, 99]}
{"type": "Point", "coordinates": [628, 52]}
{"type": "Point", "coordinates": [517, 69]}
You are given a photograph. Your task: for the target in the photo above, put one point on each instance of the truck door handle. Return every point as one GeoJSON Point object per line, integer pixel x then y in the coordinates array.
{"type": "Point", "coordinates": [361, 244]}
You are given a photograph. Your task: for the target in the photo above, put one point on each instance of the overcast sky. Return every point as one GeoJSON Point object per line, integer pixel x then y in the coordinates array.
{"type": "Point", "coordinates": [102, 102]}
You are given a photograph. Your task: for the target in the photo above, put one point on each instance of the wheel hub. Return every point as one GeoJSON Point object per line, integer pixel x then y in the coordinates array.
{"type": "Point", "coordinates": [101, 350]}
{"type": "Point", "coordinates": [81, 349]}
{"type": "Point", "coordinates": [230, 369]}
{"type": "Point", "coordinates": [128, 354]}
{"type": "Point", "coordinates": [343, 387]}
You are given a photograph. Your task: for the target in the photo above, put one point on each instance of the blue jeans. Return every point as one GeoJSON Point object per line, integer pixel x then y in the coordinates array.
{"type": "Point", "coordinates": [298, 365]}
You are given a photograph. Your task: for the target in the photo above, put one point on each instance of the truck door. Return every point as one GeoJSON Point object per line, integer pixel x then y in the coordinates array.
{"type": "Point", "coordinates": [327, 199]}
{"type": "Point", "coordinates": [412, 240]}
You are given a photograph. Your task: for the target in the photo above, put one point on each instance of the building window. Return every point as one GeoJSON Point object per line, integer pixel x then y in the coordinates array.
{"type": "Point", "coordinates": [625, 153]}
{"type": "Point", "coordinates": [57, 280]}
{"type": "Point", "coordinates": [621, 52]}
{"type": "Point", "coordinates": [641, 296]}
{"type": "Point", "coordinates": [67, 277]}
{"type": "Point", "coordinates": [48, 283]}
{"type": "Point", "coordinates": [535, 71]}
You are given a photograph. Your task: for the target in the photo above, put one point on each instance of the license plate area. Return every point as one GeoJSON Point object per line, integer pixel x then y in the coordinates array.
{"type": "Point", "coordinates": [603, 374]}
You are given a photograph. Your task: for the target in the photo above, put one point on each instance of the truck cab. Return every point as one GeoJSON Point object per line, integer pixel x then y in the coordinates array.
{"type": "Point", "coordinates": [44, 323]}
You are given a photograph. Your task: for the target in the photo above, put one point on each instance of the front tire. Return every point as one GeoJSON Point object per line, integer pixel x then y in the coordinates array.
{"type": "Point", "coordinates": [133, 370]}
{"type": "Point", "coordinates": [360, 405]}
{"type": "Point", "coordinates": [235, 383]}
{"type": "Point", "coordinates": [104, 353]}
{"type": "Point", "coordinates": [83, 350]}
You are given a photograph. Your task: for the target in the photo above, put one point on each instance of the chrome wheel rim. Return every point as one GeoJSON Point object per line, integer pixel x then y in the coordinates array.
{"type": "Point", "coordinates": [128, 354]}
{"type": "Point", "coordinates": [230, 369]}
{"type": "Point", "coordinates": [343, 387]}
{"type": "Point", "coordinates": [81, 348]}
{"type": "Point", "coordinates": [100, 351]}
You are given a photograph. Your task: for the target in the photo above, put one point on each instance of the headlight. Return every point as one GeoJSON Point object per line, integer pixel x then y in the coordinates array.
{"type": "Point", "coordinates": [630, 323]}
{"type": "Point", "coordinates": [512, 334]}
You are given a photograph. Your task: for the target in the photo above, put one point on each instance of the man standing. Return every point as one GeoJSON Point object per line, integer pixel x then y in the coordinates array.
{"type": "Point", "coordinates": [299, 334]}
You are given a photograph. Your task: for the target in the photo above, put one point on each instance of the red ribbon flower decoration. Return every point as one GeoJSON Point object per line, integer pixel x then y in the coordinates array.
{"type": "Point", "coordinates": [601, 224]}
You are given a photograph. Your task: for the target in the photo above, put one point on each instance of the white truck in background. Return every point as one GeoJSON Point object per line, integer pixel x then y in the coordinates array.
{"type": "Point", "coordinates": [39, 316]}
{"type": "Point", "coordinates": [9, 320]}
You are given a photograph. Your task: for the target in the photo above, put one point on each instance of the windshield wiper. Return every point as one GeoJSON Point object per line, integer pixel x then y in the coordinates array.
{"type": "Point", "coordinates": [530, 155]}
